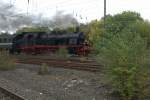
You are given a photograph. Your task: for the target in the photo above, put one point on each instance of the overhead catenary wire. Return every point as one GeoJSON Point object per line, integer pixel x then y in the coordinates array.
{"type": "Point", "coordinates": [88, 4]}
{"type": "Point", "coordinates": [62, 5]}
{"type": "Point", "coordinates": [69, 2]}
{"type": "Point", "coordinates": [73, 9]}
{"type": "Point", "coordinates": [79, 4]}
{"type": "Point", "coordinates": [65, 4]}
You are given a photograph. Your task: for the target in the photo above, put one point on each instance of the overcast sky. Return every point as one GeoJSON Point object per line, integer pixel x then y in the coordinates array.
{"type": "Point", "coordinates": [81, 9]}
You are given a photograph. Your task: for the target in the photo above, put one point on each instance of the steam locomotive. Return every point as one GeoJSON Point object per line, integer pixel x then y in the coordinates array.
{"type": "Point", "coordinates": [42, 42]}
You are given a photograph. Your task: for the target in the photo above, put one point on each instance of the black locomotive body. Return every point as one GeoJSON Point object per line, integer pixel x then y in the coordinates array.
{"type": "Point", "coordinates": [40, 42]}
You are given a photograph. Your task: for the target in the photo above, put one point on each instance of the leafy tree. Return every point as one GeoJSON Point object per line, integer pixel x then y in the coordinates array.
{"type": "Point", "coordinates": [32, 29]}
{"type": "Point", "coordinates": [93, 30]}
{"type": "Point", "coordinates": [63, 31]}
{"type": "Point", "coordinates": [124, 55]}
{"type": "Point", "coordinates": [143, 27]}
{"type": "Point", "coordinates": [120, 21]}
{"type": "Point", "coordinates": [70, 29]}
{"type": "Point", "coordinates": [122, 48]}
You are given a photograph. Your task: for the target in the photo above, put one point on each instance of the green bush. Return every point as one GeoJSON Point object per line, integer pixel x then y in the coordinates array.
{"type": "Point", "coordinates": [6, 62]}
{"type": "Point", "coordinates": [62, 53]}
{"type": "Point", "coordinates": [126, 59]}
{"type": "Point", "coordinates": [43, 70]}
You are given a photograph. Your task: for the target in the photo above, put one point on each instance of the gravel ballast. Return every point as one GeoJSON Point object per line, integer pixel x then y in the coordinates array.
{"type": "Point", "coordinates": [59, 84]}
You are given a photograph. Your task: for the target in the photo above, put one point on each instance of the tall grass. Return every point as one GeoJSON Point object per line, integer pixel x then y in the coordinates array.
{"type": "Point", "coordinates": [62, 53]}
{"type": "Point", "coordinates": [6, 61]}
{"type": "Point", "coordinates": [43, 70]}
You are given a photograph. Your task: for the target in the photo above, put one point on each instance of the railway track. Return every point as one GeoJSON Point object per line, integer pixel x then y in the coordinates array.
{"type": "Point", "coordinates": [7, 95]}
{"type": "Point", "coordinates": [70, 64]}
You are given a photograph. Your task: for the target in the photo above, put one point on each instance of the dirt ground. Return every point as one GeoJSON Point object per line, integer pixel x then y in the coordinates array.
{"type": "Point", "coordinates": [58, 84]}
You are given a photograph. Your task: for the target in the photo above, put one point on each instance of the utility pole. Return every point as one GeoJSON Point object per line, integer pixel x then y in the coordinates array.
{"type": "Point", "coordinates": [28, 7]}
{"type": "Point", "coordinates": [104, 13]}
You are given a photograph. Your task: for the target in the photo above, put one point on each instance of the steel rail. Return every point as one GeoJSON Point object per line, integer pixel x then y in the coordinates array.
{"type": "Point", "coordinates": [11, 95]}
{"type": "Point", "coordinates": [93, 67]}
